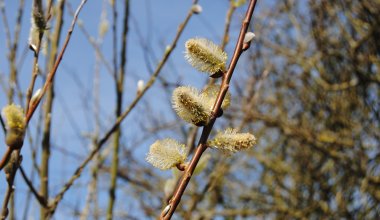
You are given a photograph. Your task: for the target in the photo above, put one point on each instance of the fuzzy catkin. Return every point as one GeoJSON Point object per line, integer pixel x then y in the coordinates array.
{"type": "Point", "coordinates": [167, 153]}
{"type": "Point", "coordinates": [38, 26]}
{"type": "Point", "coordinates": [190, 105]}
{"type": "Point", "coordinates": [231, 141]}
{"type": "Point", "coordinates": [210, 93]}
{"type": "Point", "coordinates": [15, 124]}
{"type": "Point", "coordinates": [205, 56]}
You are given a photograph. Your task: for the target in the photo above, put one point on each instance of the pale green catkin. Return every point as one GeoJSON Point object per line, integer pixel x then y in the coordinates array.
{"type": "Point", "coordinates": [190, 105]}
{"type": "Point", "coordinates": [205, 56]}
{"type": "Point", "coordinates": [231, 141]}
{"type": "Point", "coordinates": [167, 153]}
{"type": "Point", "coordinates": [210, 93]}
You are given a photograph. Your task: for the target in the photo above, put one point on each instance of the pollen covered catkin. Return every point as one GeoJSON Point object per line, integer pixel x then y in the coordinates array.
{"type": "Point", "coordinates": [205, 56]}
{"type": "Point", "coordinates": [191, 106]}
{"type": "Point", "coordinates": [231, 141]}
{"type": "Point", "coordinates": [167, 153]}
{"type": "Point", "coordinates": [15, 124]}
{"type": "Point", "coordinates": [210, 93]}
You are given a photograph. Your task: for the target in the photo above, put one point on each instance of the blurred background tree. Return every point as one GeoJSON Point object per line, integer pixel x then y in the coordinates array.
{"type": "Point", "coordinates": [311, 95]}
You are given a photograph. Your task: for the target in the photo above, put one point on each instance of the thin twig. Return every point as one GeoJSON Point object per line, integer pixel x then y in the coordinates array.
{"type": "Point", "coordinates": [51, 75]}
{"type": "Point", "coordinates": [6, 25]}
{"type": "Point", "coordinates": [39, 198]}
{"type": "Point", "coordinates": [37, 6]}
{"type": "Point", "coordinates": [119, 84]}
{"type": "Point", "coordinates": [45, 144]}
{"type": "Point", "coordinates": [5, 158]}
{"type": "Point", "coordinates": [93, 184]}
{"type": "Point", "coordinates": [10, 179]}
{"type": "Point", "coordinates": [3, 124]}
{"type": "Point", "coordinates": [177, 195]}
{"type": "Point", "coordinates": [114, 40]}
{"type": "Point", "coordinates": [102, 141]}
{"type": "Point", "coordinates": [226, 35]}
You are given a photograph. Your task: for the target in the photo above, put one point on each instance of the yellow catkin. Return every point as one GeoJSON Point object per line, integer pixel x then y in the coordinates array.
{"type": "Point", "coordinates": [190, 105]}
{"type": "Point", "coordinates": [210, 93]}
{"type": "Point", "coordinates": [167, 153]}
{"type": "Point", "coordinates": [205, 56]}
{"type": "Point", "coordinates": [231, 141]}
{"type": "Point", "coordinates": [15, 124]}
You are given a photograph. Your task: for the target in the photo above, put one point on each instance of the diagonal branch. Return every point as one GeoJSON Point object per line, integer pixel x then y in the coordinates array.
{"type": "Point", "coordinates": [239, 49]}
{"type": "Point", "coordinates": [51, 75]}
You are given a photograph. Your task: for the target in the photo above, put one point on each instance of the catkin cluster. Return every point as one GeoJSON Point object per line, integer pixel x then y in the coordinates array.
{"type": "Point", "coordinates": [196, 107]}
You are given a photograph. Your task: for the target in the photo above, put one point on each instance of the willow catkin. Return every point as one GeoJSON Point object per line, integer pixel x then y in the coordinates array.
{"type": "Point", "coordinates": [191, 106]}
{"type": "Point", "coordinates": [231, 141]}
{"type": "Point", "coordinates": [210, 93]}
{"type": "Point", "coordinates": [167, 153]}
{"type": "Point", "coordinates": [15, 124]}
{"type": "Point", "coordinates": [205, 56]}
{"type": "Point", "coordinates": [37, 26]}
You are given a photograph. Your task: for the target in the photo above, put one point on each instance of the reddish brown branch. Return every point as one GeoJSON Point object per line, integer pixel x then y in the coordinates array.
{"type": "Point", "coordinates": [51, 75]}
{"type": "Point", "coordinates": [5, 158]}
{"type": "Point", "coordinates": [177, 195]}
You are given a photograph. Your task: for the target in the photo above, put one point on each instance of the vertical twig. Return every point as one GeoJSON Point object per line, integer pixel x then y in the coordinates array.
{"type": "Point", "coordinates": [37, 8]}
{"type": "Point", "coordinates": [174, 201]}
{"type": "Point", "coordinates": [13, 50]}
{"type": "Point", "coordinates": [48, 109]}
{"type": "Point", "coordinates": [93, 185]}
{"type": "Point", "coordinates": [10, 176]}
{"type": "Point", "coordinates": [226, 33]}
{"type": "Point", "coordinates": [119, 81]}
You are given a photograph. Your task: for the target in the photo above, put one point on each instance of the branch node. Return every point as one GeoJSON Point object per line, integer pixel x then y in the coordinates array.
{"type": "Point", "coordinates": [217, 74]}
{"type": "Point", "coordinates": [246, 46]}
{"type": "Point", "coordinates": [181, 166]}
